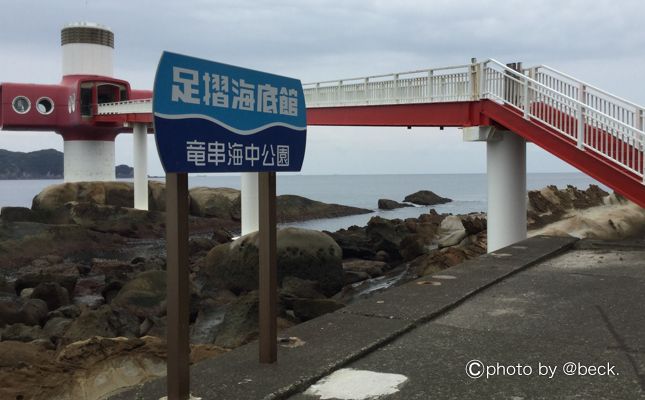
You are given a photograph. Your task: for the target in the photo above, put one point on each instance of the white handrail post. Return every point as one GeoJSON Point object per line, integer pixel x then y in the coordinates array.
{"type": "Point", "coordinates": [482, 79]}
{"type": "Point", "coordinates": [367, 97]}
{"type": "Point", "coordinates": [340, 91]}
{"type": "Point", "coordinates": [527, 102]}
{"type": "Point", "coordinates": [429, 84]}
{"type": "Point", "coordinates": [581, 116]}
{"type": "Point", "coordinates": [317, 93]}
{"type": "Point", "coordinates": [396, 88]}
{"type": "Point", "coordinates": [474, 81]}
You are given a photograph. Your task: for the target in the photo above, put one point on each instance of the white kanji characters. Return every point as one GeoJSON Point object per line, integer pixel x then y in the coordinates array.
{"type": "Point", "coordinates": [185, 85]}
{"type": "Point", "coordinates": [268, 156]}
{"type": "Point", "coordinates": [216, 153]}
{"type": "Point", "coordinates": [283, 155]}
{"type": "Point", "coordinates": [196, 153]}
{"type": "Point", "coordinates": [268, 99]}
{"type": "Point", "coordinates": [289, 102]}
{"type": "Point", "coordinates": [215, 90]}
{"type": "Point", "coordinates": [252, 153]}
{"type": "Point", "coordinates": [235, 154]}
{"type": "Point", "coordinates": [243, 95]}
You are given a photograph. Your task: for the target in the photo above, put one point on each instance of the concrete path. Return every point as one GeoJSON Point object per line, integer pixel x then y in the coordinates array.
{"type": "Point", "coordinates": [523, 315]}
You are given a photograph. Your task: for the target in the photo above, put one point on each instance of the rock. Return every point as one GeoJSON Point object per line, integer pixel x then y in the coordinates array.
{"type": "Point", "coordinates": [550, 204]}
{"type": "Point", "coordinates": [292, 208]}
{"type": "Point", "coordinates": [120, 194]}
{"type": "Point", "coordinates": [55, 328]}
{"type": "Point", "coordinates": [302, 253]}
{"type": "Point", "coordinates": [26, 293]}
{"type": "Point", "coordinates": [6, 287]}
{"type": "Point", "coordinates": [386, 234]}
{"type": "Point", "coordinates": [426, 198]}
{"type": "Point", "coordinates": [412, 246]}
{"type": "Point", "coordinates": [198, 245]}
{"type": "Point", "coordinates": [104, 322]}
{"type": "Point", "coordinates": [222, 235]}
{"type": "Point", "coordinates": [17, 310]}
{"type": "Point", "coordinates": [474, 223]}
{"type": "Point", "coordinates": [21, 243]}
{"type": "Point", "coordinates": [240, 324]}
{"type": "Point", "coordinates": [451, 232]}
{"type": "Point", "coordinates": [22, 333]}
{"type": "Point", "coordinates": [352, 277]}
{"type": "Point", "coordinates": [89, 290]}
{"type": "Point", "coordinates": [127, 222]}
{"type": "Point", "coordinates": [386, 204]}
{"type": "Point", "coordinates": [306, 309]}
{"type": "Point", "coordinates": [302, 288]}
{"type": "Point", "coordinates": [354, 242]}
{"type": "Point", "coordinates": [371, 268]}
{"type": "Point", "coordinates": [51, 293]}
{"type": "Point", "coordinates": [70, 312]}
{"type": "Point", "coordinates": [214, 202]}
{"type": "Point", "coordinates": [17, 214]}
{"type": "Point", "coordinates": [145, 295]}
{"type": "Point", "coordinates": [208, 322]}
{"type": "Point", "coordinates": [156, 196]}
{"type": "Point", "coordinates": [65, 275]}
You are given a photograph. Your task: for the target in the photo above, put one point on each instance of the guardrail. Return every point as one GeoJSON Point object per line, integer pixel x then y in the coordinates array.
{"type": "Point", "coordinates": [142, 106]}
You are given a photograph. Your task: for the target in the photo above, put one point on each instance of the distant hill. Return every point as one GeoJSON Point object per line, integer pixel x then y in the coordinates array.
{"type": "Point", "coordinates": [41, 164]}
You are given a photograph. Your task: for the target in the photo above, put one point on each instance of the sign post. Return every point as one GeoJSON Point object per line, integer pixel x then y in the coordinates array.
{"type": "Point", "coordinates": [214, 117]}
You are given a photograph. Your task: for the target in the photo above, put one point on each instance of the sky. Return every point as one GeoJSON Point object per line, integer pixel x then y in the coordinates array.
{"type": "Point", "coordinates": [600, 42]}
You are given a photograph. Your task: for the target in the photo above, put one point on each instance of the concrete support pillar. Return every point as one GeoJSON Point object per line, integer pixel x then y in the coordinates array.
{"type": "Point", "coordinates": [140, 139]}
{"type": "Point", "coordinates": [250, 202]}
{"type": "Point", "coordinates": [89, 160]}
{"type": "Point", "coordinates": [506, 170]}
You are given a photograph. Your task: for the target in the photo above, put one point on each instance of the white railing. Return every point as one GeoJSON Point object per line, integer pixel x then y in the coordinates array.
{"type": "Point", "coordinates": [613, 134]}
{"type": "Point", "coordinates": [593, 119]}
{"type": "Point", "coordinates": [143, 106]}
{"type": "Point", "coordinates": [430, 85]}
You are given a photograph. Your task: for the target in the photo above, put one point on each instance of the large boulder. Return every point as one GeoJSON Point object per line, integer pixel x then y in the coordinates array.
{"type": "Point", "coordinates": [292, 208]}
{"type": "Point", "coordinates": [118, 194]}
{"type": "Point", "coordinates": [302, 253]}
{"type": "Point", "coordinates": [143, 296]}
{"type": "Point", "coordinates": [387, 204]}
{"type": "Point", "coordinates": [123, 221]}
{"type": "Point", "coordinates": [18, 310]}
{"type": "Point", "coordinates": [104, 322]}
{"type": "Point", "coordinates": [51, 293]}
{"type": "Point", "coordinates": [426, 198]}
{"type": "Point", "coordinates": [215, 202]}
{"type": "Point", "coordinates": [451, 231]}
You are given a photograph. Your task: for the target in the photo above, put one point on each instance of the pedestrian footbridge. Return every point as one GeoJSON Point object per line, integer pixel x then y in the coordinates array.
{"type": "Point", "coordinates": [505, 105]}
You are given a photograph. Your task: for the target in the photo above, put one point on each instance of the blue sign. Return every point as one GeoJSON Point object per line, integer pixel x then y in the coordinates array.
{"type": "Point", "coordinates": [213, 117]}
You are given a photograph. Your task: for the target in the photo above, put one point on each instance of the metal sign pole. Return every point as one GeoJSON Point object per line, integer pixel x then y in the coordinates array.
{"type": "Point", "coordinates": [178, 292]}
{"type": "Point", "coordinates": [268, 269]}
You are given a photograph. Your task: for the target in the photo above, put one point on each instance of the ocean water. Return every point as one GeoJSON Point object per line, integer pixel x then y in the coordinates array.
{"type": "Point", "coordinates": [468, 191]}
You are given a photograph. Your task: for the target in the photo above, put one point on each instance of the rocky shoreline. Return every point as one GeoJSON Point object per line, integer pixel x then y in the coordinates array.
{"type": "Point", "coordinates": [82, 276]}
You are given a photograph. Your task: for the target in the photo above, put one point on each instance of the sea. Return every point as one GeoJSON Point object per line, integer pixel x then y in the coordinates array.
{"type": "Point", "coordinates": [468, 192]}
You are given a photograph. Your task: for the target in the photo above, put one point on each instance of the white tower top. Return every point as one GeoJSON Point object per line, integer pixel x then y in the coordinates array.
{"type": "Point", "coordinates": [87, 49]}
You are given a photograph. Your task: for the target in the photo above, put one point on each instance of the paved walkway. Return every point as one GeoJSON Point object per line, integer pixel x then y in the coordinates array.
{"type": "Point", "coordinates": [530, 317]}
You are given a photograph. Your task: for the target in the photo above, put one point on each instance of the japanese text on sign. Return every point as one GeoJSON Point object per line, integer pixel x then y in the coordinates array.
{"type": "Point", "coordinates": [200, 153]}
{"type": "Point", "coordinates": [223, 91]}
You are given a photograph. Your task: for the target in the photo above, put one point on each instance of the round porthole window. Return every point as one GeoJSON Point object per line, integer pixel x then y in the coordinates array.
{"type": "Point", "coordinates": [45, 105]}
{"type": "Point", "coordinates": [21, 104]}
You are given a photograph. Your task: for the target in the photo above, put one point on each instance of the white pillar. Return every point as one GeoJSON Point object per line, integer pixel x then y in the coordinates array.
{"type": "Point", "coordinates": [140, 139]}
{"type": "Point", "coordinates": [250, 202]}
{"type": "Point", "coordinates": [89, 160]}
{"type": "Point", "coordinates": [506, 169]}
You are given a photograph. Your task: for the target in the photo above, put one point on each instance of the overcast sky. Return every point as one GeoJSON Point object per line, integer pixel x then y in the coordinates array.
{"type": "Point", "coordinates": [601, 42]}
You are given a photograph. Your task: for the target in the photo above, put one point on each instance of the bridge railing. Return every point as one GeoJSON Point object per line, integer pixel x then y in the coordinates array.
{"type": "Point", "coordinates": [609, 130]}
{"type": "Point", "coordinates": [142, 106]}
{"type": "Point", "coordinates": [422, 86]}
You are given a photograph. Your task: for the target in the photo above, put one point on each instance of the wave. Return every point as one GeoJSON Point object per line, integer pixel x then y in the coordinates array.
{"type": "Point", "coordinates": [228, 127]}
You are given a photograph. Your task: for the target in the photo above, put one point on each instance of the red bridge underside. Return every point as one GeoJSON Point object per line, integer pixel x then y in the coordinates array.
{"type": "Point", "coordinates": [486, 112]}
